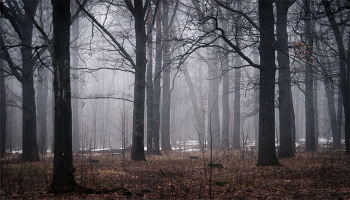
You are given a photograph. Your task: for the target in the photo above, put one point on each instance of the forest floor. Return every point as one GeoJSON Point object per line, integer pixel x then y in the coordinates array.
{"type": "Point", "coordinates": [324, 174]}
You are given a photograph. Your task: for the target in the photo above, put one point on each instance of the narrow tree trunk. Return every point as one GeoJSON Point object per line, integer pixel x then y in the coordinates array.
{"type": "Point", "coordinates": [75, 83]}
{"type": "Point", "coordinates": [267, 151]}
{"type": "Point", "coordinates": [337, 140]}
{"type": "Point", "coordinates": [166, 81]}
{"type": "Point", "coordinates": [2, 107]}
{"type": "Point", "coordinates": [225, 143]}
{"type": "Point", "coordinates": [315, 99]}
{"type": "Point", "coordinates": [256, 102]}
{"type": "Point", "coordinates": [157, 78]}
{"type": "Point", "coordinates": [344, 71]}
{"type": "Point", "coordinates": [237, 106]}
{"type": "Point", "coordinates": [137, 151]}
{"type": "Point", "coordinates": [200, 125]}
{"type": "Point", "coordinates": [149, 84]}
{"type": "Point", "coordinates": [42, 94]}
{"type": "Point", "coordinates": [284, 82]}
{"type": "Point", "coordinates": [63, 178]}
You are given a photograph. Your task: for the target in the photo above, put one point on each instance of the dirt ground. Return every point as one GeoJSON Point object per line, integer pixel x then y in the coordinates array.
{"type": "Point", "coordinates": [186, 175]}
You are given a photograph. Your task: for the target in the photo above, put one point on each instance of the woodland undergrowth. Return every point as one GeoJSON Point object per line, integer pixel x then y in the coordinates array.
{"type": "Point", "coordinates": [186, 175]}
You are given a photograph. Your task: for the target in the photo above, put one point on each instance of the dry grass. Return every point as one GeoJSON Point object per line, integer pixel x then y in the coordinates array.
{"type": "Point", "coordinates": [175, 175]}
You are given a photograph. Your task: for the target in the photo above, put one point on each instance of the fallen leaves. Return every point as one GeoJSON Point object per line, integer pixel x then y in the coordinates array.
{"type": "Point", "coordinates": [320, 175]}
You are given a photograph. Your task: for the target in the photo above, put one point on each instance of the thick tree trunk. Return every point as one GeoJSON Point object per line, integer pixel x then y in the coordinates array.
{"type": "Point", "coordinates": [157, 78]}
{"type": "Point", "coordinates": [267, 151]}
{"type": "Point", "coordinates": [166, 81]}
{"type": "Point", "coordinates": [309, 81]}
{"type": "Point", "coordinates": [137, 150]}
{"type": "Point", "coordinates": [30, 147]}
{"type": "Point", "coordinates": [284, 82]}
{"type": "Point", "coordinates": [63, 178]}
{"type": "Point", "coordinates": [29, 141]}
{"type": "Point", "coordinates": [149, 84]}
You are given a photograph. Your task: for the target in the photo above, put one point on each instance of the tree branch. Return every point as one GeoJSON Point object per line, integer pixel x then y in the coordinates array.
{"type": "Point", "coordinates": [121, 51]}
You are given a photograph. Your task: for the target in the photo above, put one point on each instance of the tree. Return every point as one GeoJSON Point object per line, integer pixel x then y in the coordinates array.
{"type": "Point", "coordinates": [267, 151]}
{"type": "Point", "coordinates": [63, 178]}
{"type": "Point", "coordinates": [309, 79]}
{"type": "Point", "coordinates": [344, 70]}
{"type": "Point", "coordinates": [284, 81]}
{"type": "Point", "coordinates": [138, 9]}
{"type": "Point", "coordinates": [166, 79]}
{"type": "Point", "coordinates": [157, 78]}
{"type": "Point", "coordinates": [42, 95]}
{"type": "Point", "coordinates": [21, 23]}
{"type": "Point", "coordinates": [2, 106]}
{"type": "Point", "coordinates": [75, 82]}
{"type": "Point", "coordinates": [149, 84]}
{"type": "Point", "coordinates": [225, 142]}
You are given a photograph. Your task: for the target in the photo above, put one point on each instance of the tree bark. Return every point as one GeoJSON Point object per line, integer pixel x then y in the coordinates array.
{"type": "Point", "coordinates": [157, 78]}
{"type": "Point", "coordinates": [237, 106]}
{"type": "Point", "coordinates": [284, 82]}
{"type": "Point", "coordinates": [149, 84]}
{"type": "Point", "coordinates": [29, 141]}
{"type": "Point", "coordinates": [166, 80]}
{"type": "Point", "coordinates": [2, 107]}
{"type": "Point", "coordinates": [344, 71]}
{"type": "Point", "coordinates": [309, 81]}
{"type": "Point", "coordinates": [75, 82]}
{"type": "Point", "coordinates": [137, 150]}
{"type": "Point", "coordinates": [63, 178]}
{"type": "Point", "coordinates": [225, 142]}
{"type": "Point", "coordinates": [267, 151]}
{"type": "Point", "coordinates": [42, 94]}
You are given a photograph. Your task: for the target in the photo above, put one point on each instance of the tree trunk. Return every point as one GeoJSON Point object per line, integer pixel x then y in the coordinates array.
{"type": "Point", "coordinates": [225, 143]}
{"type": "Point", "coordinates": [344, 71]}
{"type": "Point", "coordinates": [42, 93]}
{"type": "Point", "coordinates": [256, 101]}
{"type": "Point", "coordinates": [149, 84]}
{"type": "Point", "coordinates": [267, 151]}
{"type": "Point", "coordinates": [337, 140]}
{"type": "Point", "coordinates": [63, 178]}
{"type": "Point", "coordinates": [75, 83]}
{"type": "Point", "coordinates": [137, 150]}
{"type": "Point", "coordinates": [284, 82]}
{"type": "Point", "coordinates": [315, 96]}
{"type": "Point", "coordinates": [2, 107]}
{"type": "Point", "coordinates": [199, 118]}
{"type": "Point", "coordinates": [166, 81]}
{"type": "Point", "coordinates": [30, 147]}
{"type": "Point", "coordinates": [29, 141]}
{"type": "Point", "coordinates": [309, 81]}
{"type": "Point", "coordinates": [237, 106]}
{"type": "Point", "coordinates": [157, 78]}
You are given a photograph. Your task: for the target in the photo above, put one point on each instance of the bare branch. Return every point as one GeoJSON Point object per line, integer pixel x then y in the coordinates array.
{"type": "Point", "coordinates": [121, 51]}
